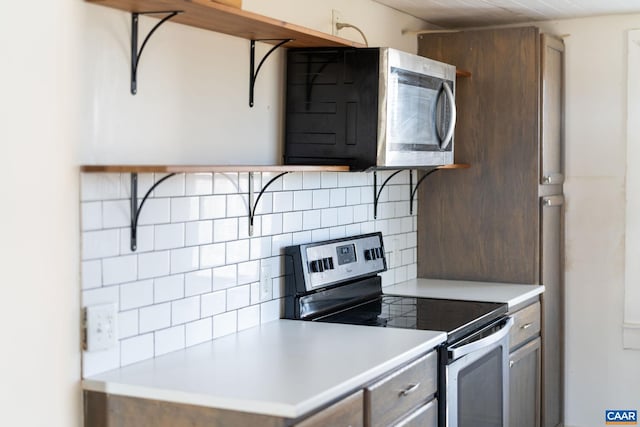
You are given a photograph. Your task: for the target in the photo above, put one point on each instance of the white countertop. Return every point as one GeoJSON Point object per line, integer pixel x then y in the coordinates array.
{"type": "Point", "coordinates": [512, 294]}
{"type": "Point", "coordinates": [284, 368]}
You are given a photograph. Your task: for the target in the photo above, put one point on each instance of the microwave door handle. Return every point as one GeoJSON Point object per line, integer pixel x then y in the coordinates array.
{"type": "Point", "coordinates": [452, 118]}
{"type": "Point", "coordinates": [456, 353]}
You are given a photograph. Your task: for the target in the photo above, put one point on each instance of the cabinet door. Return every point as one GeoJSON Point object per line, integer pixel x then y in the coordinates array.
{"type": "Point", "coordinates": [482, 223]}
{"type": "Point", "coordinates": [348, 412]}
{"type": "Point", "coordinates": [425, 416]}
{"type": "Point", "coordinates": [524, 386]}
{"type": "Point", "coordinates": [551, 156]}
{"type": "Point", "coordinates": [552, 214]}
{"type": "Point", "coordinates": [393, 396]}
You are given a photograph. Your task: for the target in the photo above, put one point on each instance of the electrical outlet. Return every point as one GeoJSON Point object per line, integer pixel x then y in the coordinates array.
{"type": "Point", "coordinates": [336, 16]}
{"type": "Point", "coordinates": [266, 282]}
{"type": "Point", "coordinates": [101, 327]}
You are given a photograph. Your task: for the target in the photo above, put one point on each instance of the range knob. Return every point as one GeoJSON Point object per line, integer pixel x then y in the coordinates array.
{"type": "Point", "coordinates": [379, 253]}
{"type": "Point", "coordinates": [370, 254]}
{"type": "Point", "coordinates": [316, 266]}
{"type": "Point", "coordinates": [373, 254]}
{"type": "Point", "coordinates": [327, 263]}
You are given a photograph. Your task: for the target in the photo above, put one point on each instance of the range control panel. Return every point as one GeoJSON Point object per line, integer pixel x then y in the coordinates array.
{"type": "Point", "coordinates": [334, 261]}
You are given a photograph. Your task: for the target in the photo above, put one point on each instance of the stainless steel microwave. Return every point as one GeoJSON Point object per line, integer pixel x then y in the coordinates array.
{"type": "Point", "coordinates": [368, 108]}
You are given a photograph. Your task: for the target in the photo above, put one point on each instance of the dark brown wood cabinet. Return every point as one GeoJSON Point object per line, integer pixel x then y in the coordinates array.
{"type": "Point", "coordinates": [501, 220]}
{"type": "Point", "coordinates": [405, 396]}
{"type": "Point", "coordinates": [524, 385]}
{"type": "Point", "coordinates": [525, 364]}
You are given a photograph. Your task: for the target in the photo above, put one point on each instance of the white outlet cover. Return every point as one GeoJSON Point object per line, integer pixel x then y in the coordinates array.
{"type": "Point", "coordinates": [101, 327]}
{"type": "Point", "coordinates": [266, 282]}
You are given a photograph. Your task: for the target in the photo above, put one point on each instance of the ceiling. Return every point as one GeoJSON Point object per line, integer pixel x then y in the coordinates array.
{"type": "Point", "coordinates": [475, 13]}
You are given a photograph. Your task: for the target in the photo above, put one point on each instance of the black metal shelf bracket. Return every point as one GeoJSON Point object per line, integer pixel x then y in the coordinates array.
{"type": "Point", "coordinates": [135, 209]}
{"type": "Point", "coordinates": [254, 71]}
{"type": "Point", "coordinates": [413, 190]}
{"type": "Point", "coordinates": [253, 205]}
{"type": "Point", "coordinates": [377, 192]}
{"type": "Point", "coordinates": [135, 53]}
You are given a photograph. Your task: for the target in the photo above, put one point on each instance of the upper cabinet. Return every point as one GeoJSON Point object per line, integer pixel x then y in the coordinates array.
{"type": "Point", "coordinates": [484, 223]}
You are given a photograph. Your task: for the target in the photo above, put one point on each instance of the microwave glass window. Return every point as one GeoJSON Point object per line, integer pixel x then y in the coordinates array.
{"type": "Point", "coordinates": [414, 104]}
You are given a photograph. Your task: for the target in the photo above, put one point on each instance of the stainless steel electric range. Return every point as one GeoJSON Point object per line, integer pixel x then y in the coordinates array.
{"type": "Point", "coordinates": [338, 281]}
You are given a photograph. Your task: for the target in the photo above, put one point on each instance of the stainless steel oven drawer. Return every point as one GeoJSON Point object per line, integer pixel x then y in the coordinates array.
{"type": "Point", "coordinates": [395, 395]}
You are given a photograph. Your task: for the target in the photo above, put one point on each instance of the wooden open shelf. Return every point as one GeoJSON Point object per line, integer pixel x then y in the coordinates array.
{"type": "Point", "coordinates": [208, 169]}
{"type": "Point", "coordinates": [462, 73]}
{"type": "Point", "coordinates": [229, 20]}
{"type": "Point", "coordinates": [232, 168]}
{"type": "Point", "coordinates": [455, 166]}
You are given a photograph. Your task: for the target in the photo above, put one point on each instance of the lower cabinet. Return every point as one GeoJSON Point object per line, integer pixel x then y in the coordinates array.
{"type": "Point", "coordinates": [346, 413]}
{"type": "Point", "coordinates": [525, 368]}
{"type": "Point", "coordinates": [524, 385]}
{"type": "Point", "coordinates": [403, 397]}
{"type": "Point", "coordinates": [425, 416]}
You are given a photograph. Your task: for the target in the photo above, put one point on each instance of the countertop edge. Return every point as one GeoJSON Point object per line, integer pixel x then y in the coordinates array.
{"type": "Point", "coordinates": [526, 296]}
{"type": "Point", "coordinates": [466, 290]}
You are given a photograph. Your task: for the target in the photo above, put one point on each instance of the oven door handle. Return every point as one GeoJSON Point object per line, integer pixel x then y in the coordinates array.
{"type": "Point", "coordinates": [456, 353]}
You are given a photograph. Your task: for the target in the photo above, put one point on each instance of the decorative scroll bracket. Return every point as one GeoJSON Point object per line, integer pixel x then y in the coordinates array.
{"type": "Point", "coordinates": [135, 53]}
{"type": "Point", "coordinates": [135, 209]}
{"type": "Point", "coordinates": [413, 190]}
{"type": "Point", "coordinates": [253, 205]}
{"type": "Point", "coordinates": [253, 71]}
{"type": "Point", "coordinates": [377, 192]}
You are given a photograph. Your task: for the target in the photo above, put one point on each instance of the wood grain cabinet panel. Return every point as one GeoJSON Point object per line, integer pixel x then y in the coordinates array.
{"type": "Point", "coordinates": [526, 325]}
{"type": "Point", "coordinates": [524, 385]}
{"type": "Point", "coordinates": [107, 410]}
{"type": "Point", "coordinates": [425, 416]}
{"type": "Point", "coordinates": [502, 219]}
{"type": "Point", "coordinates": [349, 412]}
{"type": "Point", "coordinates": [482, 223]}
{"type": "Point", "coordinates": [397, 394]}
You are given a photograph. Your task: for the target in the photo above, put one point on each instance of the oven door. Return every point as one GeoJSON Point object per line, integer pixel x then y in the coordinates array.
{"type": "Point", "coordinates": [478, 378]}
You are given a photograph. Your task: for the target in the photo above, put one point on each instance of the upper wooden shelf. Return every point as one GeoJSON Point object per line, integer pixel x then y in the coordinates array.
{"type": "Point", "coordinates": [231, 168]}
{"type": "Point", "coordinates": [209, 169]}
{"type": "Point", "coordinates": [229, 20]}
{"type": "Point", "coordinates": [462, 73]}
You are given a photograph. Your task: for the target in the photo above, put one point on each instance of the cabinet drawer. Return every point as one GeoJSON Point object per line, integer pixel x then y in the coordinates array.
{"type": "Point", "coordinates": [393, 396]}
{"type": "Point", "coordinates": [425, 416]}
{"type": "Point", "coordinates": [526, 325]}
{"type": "Point", "coordinates": [348, 412]}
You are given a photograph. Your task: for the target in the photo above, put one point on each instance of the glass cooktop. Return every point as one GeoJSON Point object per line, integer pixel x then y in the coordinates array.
{"type": "Point", "coordinates": [457, 318]}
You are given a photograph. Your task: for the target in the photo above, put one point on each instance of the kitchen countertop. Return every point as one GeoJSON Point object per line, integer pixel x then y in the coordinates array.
{"type": "Point", "coordinates": [509, 293]}
{"type": "Point", "coordinates": [283, 368]}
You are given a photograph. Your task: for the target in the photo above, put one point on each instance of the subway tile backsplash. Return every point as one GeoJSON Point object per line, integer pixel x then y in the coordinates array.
{"type": "Point", "coordinates": [196, 271]}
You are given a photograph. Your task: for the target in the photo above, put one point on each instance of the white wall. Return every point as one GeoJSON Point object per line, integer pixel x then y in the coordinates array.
{"type": "Point", "coordinates": [193, 88]}
{"type": "Point", "coordinates": [599, 373]}
{"type": "Point", "coordinates": [64, 101]}
{"type": "Point", "coordinates": [39, 304]}
{"type": "Point", "coordinates": [632, 243]}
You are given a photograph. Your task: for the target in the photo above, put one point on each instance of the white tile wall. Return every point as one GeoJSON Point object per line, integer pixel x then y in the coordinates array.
{"type": "Point", "coordinates": [195, 275]}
